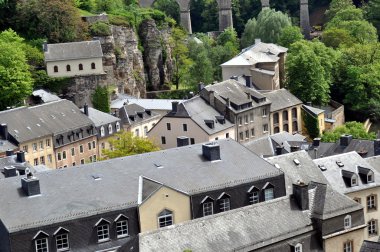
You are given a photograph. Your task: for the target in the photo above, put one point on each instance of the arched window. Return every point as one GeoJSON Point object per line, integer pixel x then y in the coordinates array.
{"type": "Point", "coordinates": [68, 68]}
{"type": "Point", "coordinates": [275, 118]}
{"type": "Point", "coordinates": [165, 218]}
{"type": "Point", "coordinates": [295, 126]}
{"type": "Point", "coordinates": [286, 127]}
{"type": "Point", "coordinates": [347, 221]}
{"type": "Point", "coordinates": [62, 239]}
{"type": "Point", "coordinates": [103, 230]}
{"type": "Point", "coordinates": [285, 115]}
{"type": "Point", "coordinates": [41, 242]}
{"type": "Point", "coordinates": [121, 226]}
{"type": "Point", "coordinates": [224, 202]}
{"type": "Point", "coordinates": [253, 195]}
{"type": "Point", "coordinates": [80, 67]}
{"type": "Point", "coordinates": [276, 129]}
{"type": "Point", "coordinates": [294, 113]}
{"type": "Point", "coordinates": [102, 131]}
{"type": "Point", "coordinates": [110, 129]}
{"type": "Point", "coordinates": [93, 65]}
{"type": "Point", "coordinates": [55, 69]}
{"type": "Point", "coordinates": [208, 206]}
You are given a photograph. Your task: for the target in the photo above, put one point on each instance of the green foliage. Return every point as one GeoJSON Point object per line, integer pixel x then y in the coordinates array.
{"type": "Point", "coordinates": [372, 13]}
{"type": "Point", "coordinates": [57, 20]}
{"type": "Point", "coordinates": [311, 125]}
{"type": "Point", "coordinates": [109, 5]}
{"type": "Point", "coordinates": [268, 27]}
{"type": "Point", "coordinates": [42, 80]}
{"type": "Point", "coordinates": [169, 7]}
{"type": "Point", "coordinates": [125, 144]}
{"type": "Point", "coordinates": [335, 37]}
{"type": "Point", "coordinates": [100, 99]}
{"type": "Point", "coordinates": [202, 69]}
{"type": "Point", "coordinates": [100, 28]}
{"type": "Point", "coordinates": [355, 129]}
{"type": "Point", "coordinates": [229, 35]}
{"type": "Point", "coordinates": [15, 79]}
{"type": "Point", "coordinates": [336, 6]}
{"type": "Point", "coordinates": [290, 35]}
{"type": "Point", "coordinates": [88, 5]}
{"type": "Point", "coordinates": [309, 66]}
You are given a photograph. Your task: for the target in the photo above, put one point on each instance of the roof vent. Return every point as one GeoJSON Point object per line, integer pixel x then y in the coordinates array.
{"type": "Point", "coordinates": [210, 123]}
{"type": "Point", "coordinates": [339, 163]}
{"type": "Point", "coordinates": [30, 185]}
{"type": "Point", "coordinates": [96, 177]}
{"type": "Point", "coordinates": [158, 166]}
{"type": "Point", "coordinates": [296, 161]}
{"type": "Point", "coordinates": [10, 171]}
{"type": "Point", "coordinates": [322, 167]}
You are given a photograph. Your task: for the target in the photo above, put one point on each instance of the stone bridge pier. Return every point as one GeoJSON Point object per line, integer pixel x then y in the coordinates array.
{"type": "Point", "coordinates": [225, 14]}
{"type": "Point", "coordinates": [265, 3]}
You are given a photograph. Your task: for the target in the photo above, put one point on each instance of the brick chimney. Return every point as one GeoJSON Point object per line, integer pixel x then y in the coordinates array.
{"type": "Point", "coordinates": [316, 142]}
{"type": "Point", "coordinates": [248, 80]}
{"type": "Point", "coordinates": [211, 151]}
{"type": "Point", "coordinates": [301, 195]}
{"type": "Point", "coordinates": [30, 185]}
{"type": "Point", "coordinates": [174, 107]}
{"type": "Point", "coordinates": [10, 171]}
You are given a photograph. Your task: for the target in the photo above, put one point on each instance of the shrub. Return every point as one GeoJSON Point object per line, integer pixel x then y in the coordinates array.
{"type": "Point", "coordinates": [100, 28]}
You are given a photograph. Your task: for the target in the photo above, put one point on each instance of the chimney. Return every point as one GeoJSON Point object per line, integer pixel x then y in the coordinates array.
{"type": "Point", "coordinates": [45, 47]}
{"type": "Point", "coordinates": [9, 153]}
{"type": "Point", "coordinates": [31, 185]}
{"type": "Point", "coordinates": [201, 86]}
{"type": "Point", "coordinates": [257, 41]}
{"type": "Point", "coordinates": [4, 131]}
{"type": "Point", "coordinates": [10, 171]}
{"type": "Point", "coordinates": [301, 195]}
{"type": "Point", "coordinates": [174, 106]}
{"type": "Point", "coordinates": [316, 142]}
{"type": "Point", "coordinates": [20, 157]}
{"type": "Point", "coordinates": [182, 141]}
{"type": "Point", "coordinates": [345, 140]}
{"type": "Point", "coordinates": [294, 148]}
{"type": "Point", "coordinates": [211, 151]}
{"type": "Point", "coordinates": [85, 109]}
{"type": "Point", "coordinates": [234, 78]}
{"type": "Point", "coordinates": [228, 104]}
{"type": "Point", "coordinates": [248, 81]}
{"type": "Point", "coordinates": [376, 147]}
{"type": "Point", "coordinates": [279, 150]}
{"type": "Point", "coordinates": [212, 99]}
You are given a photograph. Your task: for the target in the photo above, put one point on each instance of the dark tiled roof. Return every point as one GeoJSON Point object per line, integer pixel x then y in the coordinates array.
{"type": "Point", "coordinates": [132, 114]}
{"type": "Point", "coordinates": [370, 246]}
{"type": "Point", "coordinates": [73, 50]}
{"type": "Point", "coordinates": [184, 169]}
{"type": "Point", "coordinates": [363, 147]}
{"type": "Point", "coordinates": [12, 161]}
{"type": "Point", "coordinates": [100, 118]}
{"type": "Point", "coordinates": [281, 99]}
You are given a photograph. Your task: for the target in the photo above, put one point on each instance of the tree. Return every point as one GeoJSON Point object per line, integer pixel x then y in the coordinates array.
{"type": "Point", "coordinates": [125, 144]}
{"type": "Point", "coordinates": [355, 129]}
{"type": "Point", "coordinates": [109, 5]}
{"type": "Point", "coordinates": [169, 7]}
{"type": "Point", "coordinates": [101, 100]}
{"type": "Point", "coordinates": [335, 37]}
{"type": "Point", "coordinates": [309, 67]}
{"type": "Point", "coordinates": [57, 20]}
{"type": "Point", "coordinates": [336, 6]}
{"type": "Point", "coordinates": [15, 79]}
{"type": "Point", "coordinates": [201, 70]}
{"type": "Point", "coordinates": [290, 35]}
{"type": "Point", "coordinates": [229, 35]}
{"type": "Point", "coordinates": [372, 13]}
{"type": "Point", "coordinates": [268, 27]}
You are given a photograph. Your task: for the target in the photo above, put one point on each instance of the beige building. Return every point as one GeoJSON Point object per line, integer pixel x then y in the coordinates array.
{"type": "Point", "coordinates": [264, 63]}
{"type": "Point", "coordinates": [353, 176]}
{"type": "Point", "coordinates": [73, 59]}
{"type": "Point", "coordinates": [191, 122]}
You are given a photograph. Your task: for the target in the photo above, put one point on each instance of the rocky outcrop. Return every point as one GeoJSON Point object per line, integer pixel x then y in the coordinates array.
{"type": "Point", "coordinates": [157, 54]}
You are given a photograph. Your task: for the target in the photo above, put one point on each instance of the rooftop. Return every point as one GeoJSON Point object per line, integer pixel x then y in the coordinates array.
{"type": "Point", "coordinates": [152, 104]}
{"type": "Point", "coordinates": [132, 114]}
{"type": "Point", "coordinates": [281, 99]}
{"type": "Point", "coordinates": [73, 50]}
{"type": "Point", "coordinates": [100, 118]}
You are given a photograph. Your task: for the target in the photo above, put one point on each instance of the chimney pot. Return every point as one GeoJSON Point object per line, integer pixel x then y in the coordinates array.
{"type": "Point", "coordinates": [85, 109]}
{"type": "Point", "coordinates": [174, 106]}
{"type": "Point", "coordinates": [182, 141]}
{"type": "Point", "coordinates": [9, 153]}
{"type": "Point", "coordinates": [301, 195]}
{"type": "Point", "coordinates": [211, 151]}
{"type": "Point", "coordinates": [21, 157]}
{"type": "Point", "coordinates": [316, 142]}
{"type": "Point", "coordinates": [4, 131]}
{"type": "Point", "coordinates": [345, 140]}
{"type": "Point", "coordinates": [31, 185]}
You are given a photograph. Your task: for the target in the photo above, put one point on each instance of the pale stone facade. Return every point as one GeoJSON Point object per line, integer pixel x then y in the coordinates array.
{"type": "Point", "coordinates": [39, 151]}
{"type": "Point", "coordinates": [69, 68]}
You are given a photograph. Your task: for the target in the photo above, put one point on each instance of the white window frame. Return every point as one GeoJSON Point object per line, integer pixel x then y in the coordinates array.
{"type": "Point", "coordinates": [62, 246]}
{"type": "Point", "coordinates": [110, 130]}
{"type": "Point", "coordinates": [122, 228]}
{"type": "Point", "coordinates": [165, 219]}
{"type": "Point", "coordinates": [254, 197]}
{"type": "Point", "coordinates": [347, 222]}
{"type": "Point", "coordinates": [41, 242]}
{"type": "Point", "coordinates": [347, 246]}
{"type": "Point", "coordinates": [370, 175]}
{"type": "Point", "coordinates": [103, 232]}
{"type": "Point", "coordinates": [298, 247]}
{"type": "Point", "coordinates": [208, 208]}
{"type": "Point", "coordinates": [371, 202]}
{"type": "Point", "coordinates": [372, 227]}
{"type": "Point", "coordinates": [102, 131]}
{"type": "Point", "coordinates": [224, 204]}
{"type": "Point", "coordinates": [117, 127]}
{"type": "Point", "coordinates": [268, 192]}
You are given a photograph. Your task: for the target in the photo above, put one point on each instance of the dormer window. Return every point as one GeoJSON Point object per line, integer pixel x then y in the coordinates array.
{"type": "Point", "coordinates": [366, 174]}
{"type": "Point", "coordinates": [109, 128]}
{"type": "Point", "coordinates": [121, 226]}
{"type": "Point", "coordinates": [350, 178]}
{"type": "Point", "coordinates": [253, 195]}
{"type": "Point", "coordinates": [347, 222]}
{"type": "Point", "coordinates": [208, 206]}
{"type": "Point", "coordinates": [354, 181]}
{"type": "Point", "coordinates": [370, 178]}
{"type": "Point", "coordinates": [268, 191]}
{"type": "Point", "coordinates": [62, 239]}
{"type": "Point", "coordinates": [224, 202]}
{"type": "Point", "coordinates": [298, 247]}
{"type": "Point", "coordinates": [117, 127]}
{"type": "Point", "coordinates": [102, 131]}
{"type": "Point", "coordinates": [103, 230]}
{"type": "Point", "coordinates": [165, 218]}
{"type": "Point", "coordinates": [41, 242]}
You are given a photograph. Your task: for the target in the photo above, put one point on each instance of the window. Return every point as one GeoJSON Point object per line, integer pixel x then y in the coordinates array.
{"type": "Point", "coordinates": [137, 132]}
{"type": "Point", "coordinates": [49, 158]}
{"type": "Point", "coordinates": [103, 146]}
{"type": "Point", "coordinates": [80, 66]}
{"type": "Point", "coordinates": [286, 127]}
{"type": "Point", "coordinates": [59, 156]}
{"type": "Point", "coordinates": [165, 218]}
{"type": "Point", "coordinates": [168, 126]}
{"type": "Point", "coordinates": [252, 132]}
{"type": "Point", "coordinates": [94, 158]}
{"type": "Point", "coordinates": [25, 148]}
{"type": "Point", "coordinates": [47, 142]}
{"type": "Point", "coordinates": [372, 227]}
{"type": "Point", "coordinates": [93, 65]}
{"type": "Point", "coordinates": [295, 126]}
{"type": "Point", "coordinates": [55, 69]}
{"type": "Point", "coordinates": [371, 202]}
{"type": "Point", "coordinates": [347, 221]}
{"type": "Point", "coordinates": [73, 164]}
{"type": "Point", "coordinates": [90, 158]}
{"type": "Point", "coordinates": [35, 162]}
{"type": "Point", "coordinates": [184, 127]}
{"type": "Point", "coordinates": [246, 119]}
{"type": "Point", "coordinates": [41, 145]}
{"type": "Point", "coordinates": [73, 151]}
{"type": "Point", "coordinates": [81, 148]}
{"type": "Point", "coordinates": [227, 135]}
{"type": "Point", "coordinates": [192, 141]}
{"type": "Point", "coordinates": [117, 127]}
{"type": "Point", "coordinates": [82, 161]}
{"type": "Point", "coordinates": [34, 145]}
{"type": "Point", "coordinates": [240, 120]}
{"type": "Point", "coordinates": [275, 118]}
{"type": "Point", "coordinates": [264, 112]}
{"type": "Point", "coordinates": [347, 246]}
{"type": "Point", "coordinates": [41, 245]}
{"type": "Point", "coordinates": [251, 117]}
{"type": "Point", "coordinates": [65, 166]}
{"type": "Point", "coordinates": [253, 195]}
{"type": "Point", "coordinates": [89, 145]}
{"type": "Point", "coordinates": [276, 130]}
{"type": "Point", "coordinates": [265, 128]}
{"type": "Point", "coordinates": [163, 140]}
{"type": "Point", "coordinates": [224, 202]}
{"type": "Point", "coordinates": [64, 154]}
{"type": "Point", "coordinates": [354, 181]}
{"type": "Point", "coordinates": [246, 134]}
{"type": "Point", "coordinates": [121, 226]}
{"type": "Point", "coordinates": [298, 248]}
{"type": "Point", "coordinates": [241, 136]}
{"type": "Point", "coordinates": [268, 191]}
{"type": "Point", "coordinates": [370, 177]}
{"type": "Point", "coordinates": [102, 131]}
{"type": "Point", "coordinates": [93, 144]}
{"type": "Point", "coordinates": [145, 130]}
{"type": "Point", "coordinates": [208, 208]}
{"type": "Point", "coordinates": [285, 115]}
{"type": "Point", "coordinates": [62, 239]}
{"type": "Point", "coordinates": [294, 113]}
{"type": "Point", "coordinates": [103, 231]}
{"type": "Point", "coordinates": [68, 68]}
{"type": "Point", "coordinates": [109, 128]}
{"type": "Point", "coordinates": [359, 200]}
{"type": "Point", "coordinates": [42, 160]}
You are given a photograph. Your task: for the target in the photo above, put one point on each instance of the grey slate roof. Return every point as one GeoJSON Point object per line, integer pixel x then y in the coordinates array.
{"type": "Point", "coordinates": [364, 147]}
{"type": "Point", "coordinates": [281, 99]}
{"type": "Point", "coordinates": [6, 145]}
{"type": "Point", "coordinates": [306, 171]}
{"type": "Point", "coordinates": [73, 50]}
{"type": "Point", "coordinates": [374, 161]}
{"type": "Point", "coordinates": [242, 229]}
{"type": "Point", "coordinates": [132, 110]}
{"type": "Point", "coordinates": [53, 118]}
{"type": "Point", "coordinates": [152, 104]}
{"type": "Point", "coordinates": [183, 168]}
{"type": "Point", "coordinates": [100, 118]}
{"type": "Point", "coordinates": [45, 96]}
{"type": "Point", "coordinates": [350, 161]}
{"type": "Point", "coordinates": [313, 110]}
{"type": "Point", "coordinates": [199, 111]}
{"type": "Point", "coordinates": [370, 246]}
{"type": "Point", "coordinates": [12, 161]}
